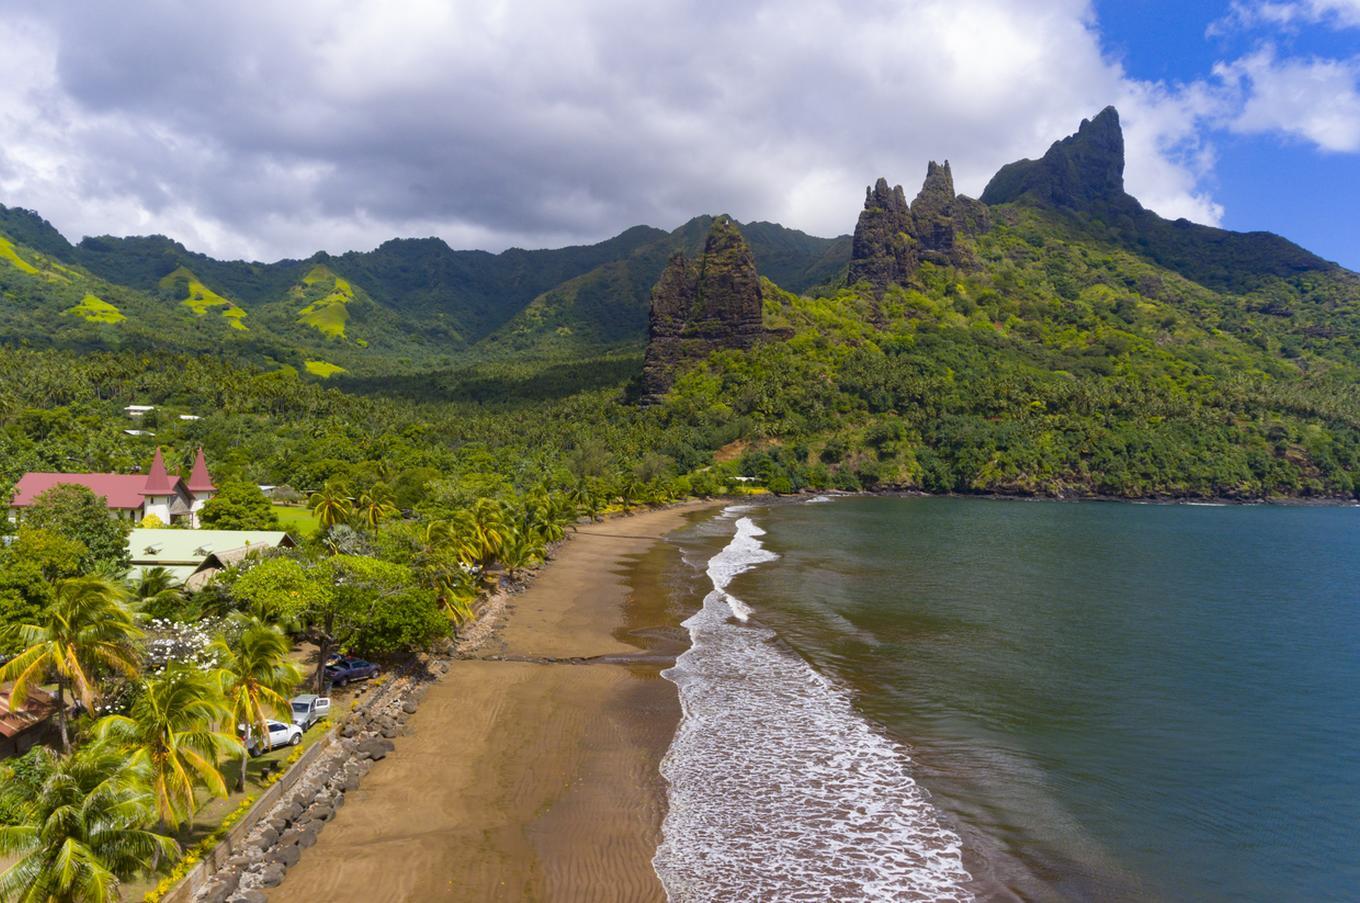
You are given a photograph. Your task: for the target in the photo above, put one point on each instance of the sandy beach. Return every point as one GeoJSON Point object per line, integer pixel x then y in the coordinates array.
{"type": "Point", "coordinates": [524, 778]}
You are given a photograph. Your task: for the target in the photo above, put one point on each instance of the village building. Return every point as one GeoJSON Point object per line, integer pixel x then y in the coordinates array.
{"type": "Point", "coordinates": [172, 500]}
{"type": "Point", "coordinates": [195, 557]}
{"type": "Point", "coordinates": [24, 729]}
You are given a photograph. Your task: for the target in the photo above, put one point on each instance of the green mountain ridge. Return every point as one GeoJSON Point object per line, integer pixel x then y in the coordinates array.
{"type": "Point", "coordinates": [1054, 338]}
{"type": "Point", "coordinates": [416, 304]}
{"type": "Point", "coordinates": [423, 301]}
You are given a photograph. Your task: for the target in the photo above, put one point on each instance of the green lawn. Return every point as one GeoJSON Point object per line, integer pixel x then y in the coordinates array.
{"type": "Point", "coordinates": [301, 522]}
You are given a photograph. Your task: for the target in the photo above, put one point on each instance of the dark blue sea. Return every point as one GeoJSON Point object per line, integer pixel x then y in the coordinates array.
{"type": "Point", "coordinates": [947, 699]}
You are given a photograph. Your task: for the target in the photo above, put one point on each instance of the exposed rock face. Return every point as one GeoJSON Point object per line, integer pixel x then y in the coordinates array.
{"type": "Point", "coordinates": [942, 217]}
{"type": "Point", "coordinates": [1078, 172]}
{"type": "Point", "coordinates": [884, 247]}
{"type": "Point", "coordinates": [703, 305]}
{"type": "Point", "coordinates": [1083, 174]}
{"type": "Point", "coordinates": [892, 237]}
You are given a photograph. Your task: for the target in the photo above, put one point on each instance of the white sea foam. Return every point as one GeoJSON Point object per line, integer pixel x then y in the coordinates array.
{"type": "Point", "coordinates": [778, 788]}
{"type": "Point", "coordinates": [818, 499]}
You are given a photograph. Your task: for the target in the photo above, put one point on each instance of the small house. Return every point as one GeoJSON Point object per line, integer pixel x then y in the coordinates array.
{"type": "Point", "coordinates": [31, 725]}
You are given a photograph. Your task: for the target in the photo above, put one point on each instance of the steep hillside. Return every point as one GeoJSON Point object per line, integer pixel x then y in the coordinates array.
{"type": "Point", "coordinates": [416, 300]}
{"type": "Point", "coordinates": [606, 308]}
{"type": "Point", "coordinates": [1040, 345]}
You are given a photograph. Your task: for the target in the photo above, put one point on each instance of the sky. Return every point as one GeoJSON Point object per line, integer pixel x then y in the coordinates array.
{"type": "Point", "coordinates": [263, 130]}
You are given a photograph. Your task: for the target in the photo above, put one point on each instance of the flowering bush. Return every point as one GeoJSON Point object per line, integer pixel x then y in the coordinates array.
{"type": "Point", "coordinates": [188, 642]}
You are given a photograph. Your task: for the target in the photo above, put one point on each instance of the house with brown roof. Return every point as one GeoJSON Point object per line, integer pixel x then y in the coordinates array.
{"type": "Point", "coordinates": [22, 730]}
{"type": "Point", "coordinates": [174, 500]}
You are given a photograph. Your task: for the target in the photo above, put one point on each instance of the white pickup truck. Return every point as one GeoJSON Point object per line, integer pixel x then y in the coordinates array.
{"type": "Point", "coordinates": [278, 734]}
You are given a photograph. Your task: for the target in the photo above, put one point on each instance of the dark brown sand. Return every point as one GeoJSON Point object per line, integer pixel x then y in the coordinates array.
{"type": "Point", "coordinates": [524, 780]}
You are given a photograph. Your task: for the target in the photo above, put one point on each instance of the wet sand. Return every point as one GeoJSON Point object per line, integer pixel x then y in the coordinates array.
{"type": "Point", "coordinates": [523, 779]}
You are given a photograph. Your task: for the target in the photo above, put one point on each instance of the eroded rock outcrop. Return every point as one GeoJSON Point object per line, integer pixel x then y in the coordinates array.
{"type": "Point", "coordinates": [700, 306]}
{"type": "Point", "coordinates": [892, 237]}
{"type": "Point", "coordinates": [1079, 172]}
{"type": "Point", "coordinates": [883, 250]}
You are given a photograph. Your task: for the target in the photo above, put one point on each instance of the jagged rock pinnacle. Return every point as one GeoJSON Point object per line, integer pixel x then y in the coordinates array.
{"type": "Point", "coordinates": [892, 237]}
{"type": "Point", "coordinates": [1079, 171]}
{"type": "Point", "coordinates": [703, 305]}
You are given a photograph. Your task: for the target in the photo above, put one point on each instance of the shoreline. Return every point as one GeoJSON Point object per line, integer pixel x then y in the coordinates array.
{"type": "Point", "coordinates": [531, 769]}
{"type": "Point", "coordinates": [1284, 501]}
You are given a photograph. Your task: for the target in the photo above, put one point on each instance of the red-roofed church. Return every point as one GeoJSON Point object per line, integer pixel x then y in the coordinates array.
{"type": "Point", "coordinates": [173, 500]}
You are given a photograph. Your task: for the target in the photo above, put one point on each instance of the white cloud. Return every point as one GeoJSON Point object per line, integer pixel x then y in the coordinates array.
{"type": "Point", "coordinates": [1289, 15]}
{"type": "Point", "coordinates": [265, 129]}
{"type": "Point", "coordinates": [1314, 99]}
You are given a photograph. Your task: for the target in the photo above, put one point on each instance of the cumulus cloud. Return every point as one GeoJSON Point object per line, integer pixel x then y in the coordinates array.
{"type": "Point", "coordinates": [1288, 15]}
{"type": "Point", "coordinates": [263, 129]}
{"type": "Point", "coordinates": [1317, 100]}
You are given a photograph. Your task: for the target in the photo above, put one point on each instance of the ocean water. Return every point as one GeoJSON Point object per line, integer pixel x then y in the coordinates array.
{"type": "Point", "coordinates": [950, 699]}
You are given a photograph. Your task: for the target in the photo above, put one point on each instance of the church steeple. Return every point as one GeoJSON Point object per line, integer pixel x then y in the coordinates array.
{"type": "Point", "coordinates": [199, 478]}
{"type": "Point", "coordinates": [158, 480]}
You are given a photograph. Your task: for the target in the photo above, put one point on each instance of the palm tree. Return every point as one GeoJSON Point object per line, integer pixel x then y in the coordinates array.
{"type": "Point", "coordinates": [546, 514]}
{"type": "Point", "coordinates": [331, 505]}
{"type": "Point", "coordinates": [630, 492]}
{"type": "Point", "coordinates": [157, 593]}
{"type": "Point", "coordinates": [375, 505]}
{"type": "Point", "coordinates": [255, 674]}
{"type": "Point", "coordinates": [586, 499]}
{"type": "Point", "coordinates": [488, 530]}
{"type": "Point", "coordinates": [457, 535]}
{"type": "Point", "coordinates": [173, 732]}
{"type": "Point", "coordinates": [81, 831]}
{"type": "Point", "coordinates": [520, 550]}
{"type": "Point", "coordinates": [88, 626]}
{"type": "Point", "coordinates": [455, 588]}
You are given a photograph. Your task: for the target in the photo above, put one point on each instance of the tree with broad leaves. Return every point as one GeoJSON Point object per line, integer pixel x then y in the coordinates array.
{"type": "Point", "coordinates": [89, 626]}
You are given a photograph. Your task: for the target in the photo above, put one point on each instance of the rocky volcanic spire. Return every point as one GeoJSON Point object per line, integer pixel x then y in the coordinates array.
{"type": "Point", "coordinates": [942, 217]}
{"type": "Point", "coordinates": [1078, 172]}
{"type": "Point", "coordinates": [933, 214]}
{"type": "Point", "coordinates": [701, 306]}
{"type": "Point", "coordinates": [883, 250]}
{"type": "Point", "coordinates": [892, 238]}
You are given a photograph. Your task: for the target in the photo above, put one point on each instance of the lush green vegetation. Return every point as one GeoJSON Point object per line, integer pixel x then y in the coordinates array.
{"type": "Point", "coordinates": [406, 306]}
{"type": "Point", "coordinates": [238, 505]}
{"type": "Point", "coordinates": [1080, 356]}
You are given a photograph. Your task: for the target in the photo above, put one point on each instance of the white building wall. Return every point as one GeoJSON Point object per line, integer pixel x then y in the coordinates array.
{"type": "Point", "coordinates": [158, 505]}
{"type": "Point", "coordinates": [196, 506]}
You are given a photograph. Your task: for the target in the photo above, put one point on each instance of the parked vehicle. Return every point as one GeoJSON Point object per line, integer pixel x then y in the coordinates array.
{"type": "Point", "coordinates": [309, 708]}
{"type": "Point", "coordinates": [279, 734]}
{"type": "Point", "coordinates": [341, 671]}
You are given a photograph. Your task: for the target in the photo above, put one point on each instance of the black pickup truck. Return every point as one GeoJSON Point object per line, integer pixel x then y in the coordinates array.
{"type": "Point", "coordinates": [341, 671]}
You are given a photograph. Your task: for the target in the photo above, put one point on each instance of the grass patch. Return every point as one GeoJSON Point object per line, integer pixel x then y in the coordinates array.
{"type": "Point", "coordinates": [301, 522]}
{"type": "Point", "coordinates": [94, 309]}
{"type": "Point", "coordinates": [7, 253]}
{"type": "Point", "coordinates": [329, 313]}
{"type": "Point", "coordinates": [200, 299]}
{"type": "Point", "coordinates": [323, 369]}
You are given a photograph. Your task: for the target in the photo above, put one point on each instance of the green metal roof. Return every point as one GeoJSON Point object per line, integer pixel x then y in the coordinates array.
{"type": "Point", "coordinates": [192, 547]}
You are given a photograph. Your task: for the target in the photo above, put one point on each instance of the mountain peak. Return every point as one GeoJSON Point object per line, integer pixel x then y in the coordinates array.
{"type": "Point", "coordinates": [1080, 170]}
{"type": "Point", "coordinates": [700, 306]}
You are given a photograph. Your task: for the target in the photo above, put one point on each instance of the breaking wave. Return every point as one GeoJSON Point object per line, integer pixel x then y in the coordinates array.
{"type": "Point", "coordinates": [778, 788]}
